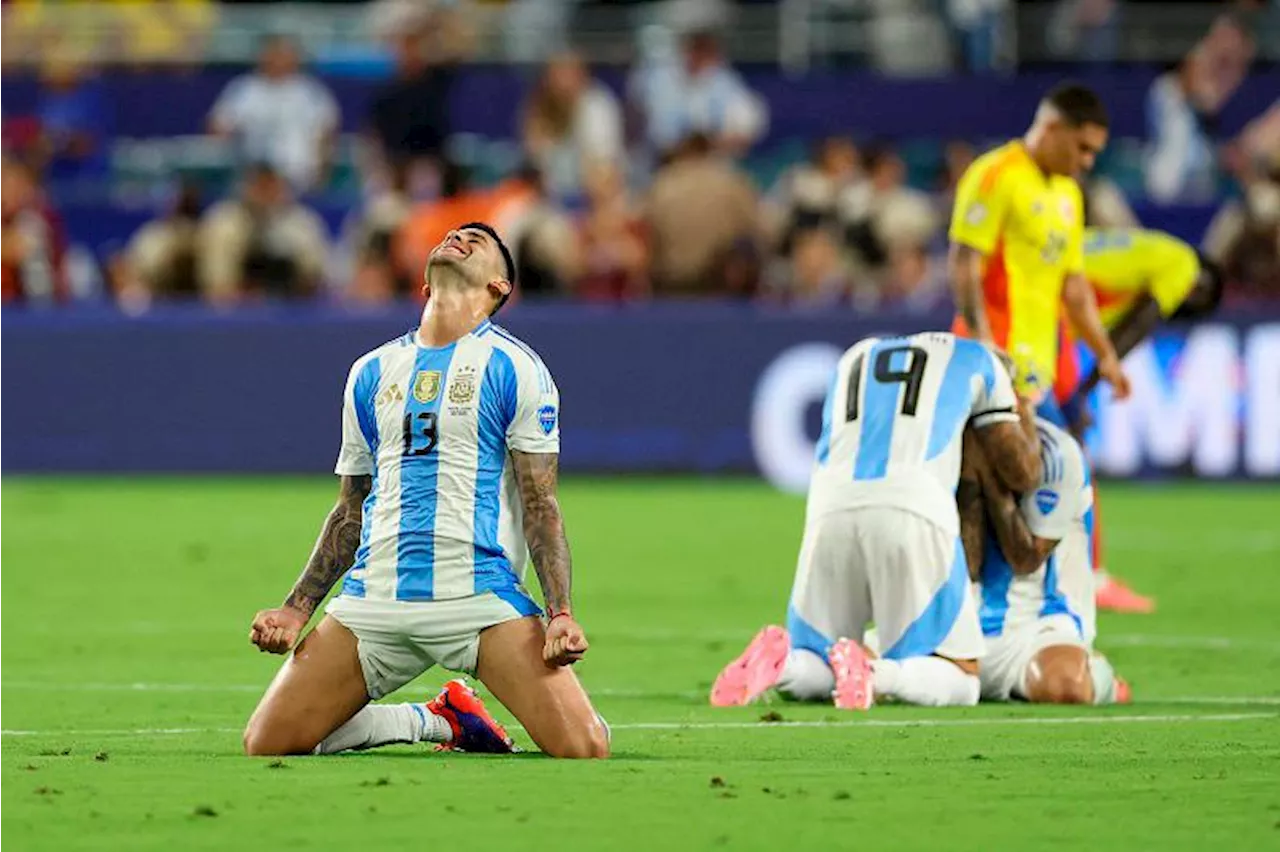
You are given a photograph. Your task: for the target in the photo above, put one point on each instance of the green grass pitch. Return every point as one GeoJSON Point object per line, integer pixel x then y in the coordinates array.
{"type": "Point", "coordinates": [127, 677]}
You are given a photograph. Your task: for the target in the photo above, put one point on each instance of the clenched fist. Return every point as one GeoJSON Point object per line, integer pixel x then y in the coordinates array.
{"type": "Point", "coordinates": [566, 642]}
{"type": "Point", "coordinates": [276, 630]}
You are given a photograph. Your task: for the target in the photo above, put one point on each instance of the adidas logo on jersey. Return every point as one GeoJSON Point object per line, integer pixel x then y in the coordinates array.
{"type": "Point", "coordinates": [391, 394]}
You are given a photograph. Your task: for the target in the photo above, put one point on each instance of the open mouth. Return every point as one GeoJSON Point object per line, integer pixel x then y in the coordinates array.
{"type": "Point", "coordinates": [453, 249]}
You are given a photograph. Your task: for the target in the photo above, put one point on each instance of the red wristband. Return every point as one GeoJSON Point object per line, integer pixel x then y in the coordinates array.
{"type": "Point", "coordinates": [552, 616]}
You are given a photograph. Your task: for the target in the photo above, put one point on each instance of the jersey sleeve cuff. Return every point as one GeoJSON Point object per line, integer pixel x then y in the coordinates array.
{"type": "Point", "coordinates": [995, 415]}
{"type": "Point", "coordinates": [534, 445]}
{"type": "Point", "coordinates": [353, 469]}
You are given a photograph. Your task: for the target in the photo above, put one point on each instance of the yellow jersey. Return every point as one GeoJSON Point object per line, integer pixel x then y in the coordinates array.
{"type": "Point", "coordinates": [1123, 264]}
{"type": "Point", "coordinates": [1030, 226]}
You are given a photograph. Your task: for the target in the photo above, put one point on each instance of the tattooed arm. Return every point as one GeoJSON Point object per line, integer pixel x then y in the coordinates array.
{"type": "Point", "coordinates": [973, 519]}
{"type": "Point", "coordinates": [965, 266]}
{"type": "Point", "coordinates": [1024, 550]}
{"type": "Point", "coordinates": [276, 630]}
{"type": "Point", "coordinates": [335, 549]}
{"type": "Point", "coordinates": [536, 476]}
{"type": "Point", "coordinates": [1012, 450]}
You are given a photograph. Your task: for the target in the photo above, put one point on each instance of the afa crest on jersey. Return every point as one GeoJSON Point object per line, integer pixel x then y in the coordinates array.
{"type": "Point", "coordinates": [426, 385]}
{"type": "Point", "coordinates": [463, 387]}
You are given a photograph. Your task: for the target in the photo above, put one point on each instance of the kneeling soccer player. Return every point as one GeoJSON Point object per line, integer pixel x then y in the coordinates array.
{"type": "Point", "coordinates": [1037, 596]}
{"type": "Point", "coordinates": [450, 448]}
{"type": "Point", "coordinates": [881, 540]}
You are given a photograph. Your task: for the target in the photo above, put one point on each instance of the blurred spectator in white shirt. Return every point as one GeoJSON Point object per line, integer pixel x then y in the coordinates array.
{"type": "Point", "coordinates": [279, 115]}
{"type": "Point", "coordinates": [697, 92]}
{"type": "Point", "coordinates": [262, 243]}
{"type": "Point", "coordinates": [570, 120]}
{"type": "Point", "coordinates": [1181, 159]}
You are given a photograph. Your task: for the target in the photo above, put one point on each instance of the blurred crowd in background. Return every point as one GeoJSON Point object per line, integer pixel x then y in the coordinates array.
{"type": "Point", "coordinates": [613, 194]}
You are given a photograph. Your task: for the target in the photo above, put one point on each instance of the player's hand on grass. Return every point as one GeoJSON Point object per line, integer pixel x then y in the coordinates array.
{"type": "Point", "coordinates": [566, 641]}
{"type": "Point", "coordinates": [1113, 373]}
{"type": "Point", "coordinates": [276, 630]}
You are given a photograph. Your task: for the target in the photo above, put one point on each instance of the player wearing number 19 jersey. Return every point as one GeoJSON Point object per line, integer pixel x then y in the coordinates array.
{"type": "Point", "coordinates": [881, 540]}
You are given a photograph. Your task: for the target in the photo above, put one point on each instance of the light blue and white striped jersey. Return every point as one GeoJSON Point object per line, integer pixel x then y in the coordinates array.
{"type": "Point", "coordinates": [893, 423]}
{"type": "Point", "coordinates": [1059, 509]}
{"type": "Point", "coordinates": [434, 427]}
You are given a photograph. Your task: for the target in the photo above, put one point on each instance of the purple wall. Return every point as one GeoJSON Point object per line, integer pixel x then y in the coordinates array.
{"type": "Point", "coordinates": [486, 99]}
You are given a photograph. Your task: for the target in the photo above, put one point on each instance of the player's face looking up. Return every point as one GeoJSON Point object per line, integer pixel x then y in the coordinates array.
{"type": "Point", "coordinates": [475, 258]}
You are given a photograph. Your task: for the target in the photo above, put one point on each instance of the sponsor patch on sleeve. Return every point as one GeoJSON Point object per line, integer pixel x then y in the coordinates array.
{"type": "Point", "coordinates": [547, 418]}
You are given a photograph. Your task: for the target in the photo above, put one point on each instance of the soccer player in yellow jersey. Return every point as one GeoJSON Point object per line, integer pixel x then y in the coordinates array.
{"type": "Point", "coordinates": [1139, 278]}
{"type": "Point", "coordinates": [1017, 234]}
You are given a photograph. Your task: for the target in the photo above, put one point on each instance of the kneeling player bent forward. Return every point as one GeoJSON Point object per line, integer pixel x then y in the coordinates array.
{"type": "Point", "coordinates": [1037, 595]}
{"type": "Point", "coordinates": [450, 444]}
{"type": "Point", "coordinates": [881, 540]}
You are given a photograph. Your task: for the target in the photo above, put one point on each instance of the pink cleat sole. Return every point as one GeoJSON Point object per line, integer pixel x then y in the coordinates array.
{"type": "Point", "coordinates": [852, 668]}
{"type": "Point", "coordinates": [755, 671]}
{"type": "Point", "coordinates": [1124, 692]}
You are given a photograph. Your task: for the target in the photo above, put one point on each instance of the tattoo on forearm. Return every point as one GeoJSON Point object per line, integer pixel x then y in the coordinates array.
{"type": "Point", "coordinates": [972, 524]}
{"type": "Point", "coordinates": [973, 519]}
{"type": "Point", "coordinates": [1012, 453]}
{"type": "Point", "coordinates": [536, 476]}
{"type": "Point", "coordinates": [1015, 539]}
{"type": "Point", "coordinates": [335, 548]}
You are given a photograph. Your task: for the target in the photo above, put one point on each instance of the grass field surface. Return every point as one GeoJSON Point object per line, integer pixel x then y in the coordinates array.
{"type": "Point", "coordinates": [127, 678]}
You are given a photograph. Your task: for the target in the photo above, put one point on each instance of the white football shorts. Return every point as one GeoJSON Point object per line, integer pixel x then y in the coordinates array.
{"type": "Point", "coordinates": [890, 567]}
{"type": "Point", "coordinates": [399, 640]}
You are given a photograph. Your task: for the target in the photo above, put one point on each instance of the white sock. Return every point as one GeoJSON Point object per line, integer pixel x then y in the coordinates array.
{"type": "Point", "coordinates": [1104, 679]}
{"type": "Point", "coordinates": [806, 677]}
{"type": "Point", "coordinates": [380, 724]}
{"type": "Point", "coordinates": [926, 681]}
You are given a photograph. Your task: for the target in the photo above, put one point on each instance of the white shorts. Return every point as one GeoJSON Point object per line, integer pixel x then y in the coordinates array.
{"type": "Point", "coordinates": [399, 640]}
{"type": "Point", "coordinates": [891, 567]}
{"type": "Point", "coordinates": [1003, 671]}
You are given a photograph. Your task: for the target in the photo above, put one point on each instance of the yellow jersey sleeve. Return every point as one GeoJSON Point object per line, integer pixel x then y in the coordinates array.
{"type": "Point", "coordinates": [1173, 273]}
{"type": "Point", "coordinates": [982, 198]}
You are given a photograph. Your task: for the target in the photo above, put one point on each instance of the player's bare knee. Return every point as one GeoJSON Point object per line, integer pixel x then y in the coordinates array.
{"type": "Point", "coordinates": [258, 742]}
{"type": "Point", "coordinates": [263, 738]}
{"type": "Point", "coordinates": [1060, 675]}
{"type": "Point", "coordinates": [1061, 689]}
{"type": "Point", "coordinates": [584, 742]}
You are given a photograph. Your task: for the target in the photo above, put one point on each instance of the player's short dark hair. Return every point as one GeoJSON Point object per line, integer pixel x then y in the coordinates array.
{"type": "Point", "coordinates": [1079, 105]}
{"type": "Point", "coordinates": [507, 260]}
